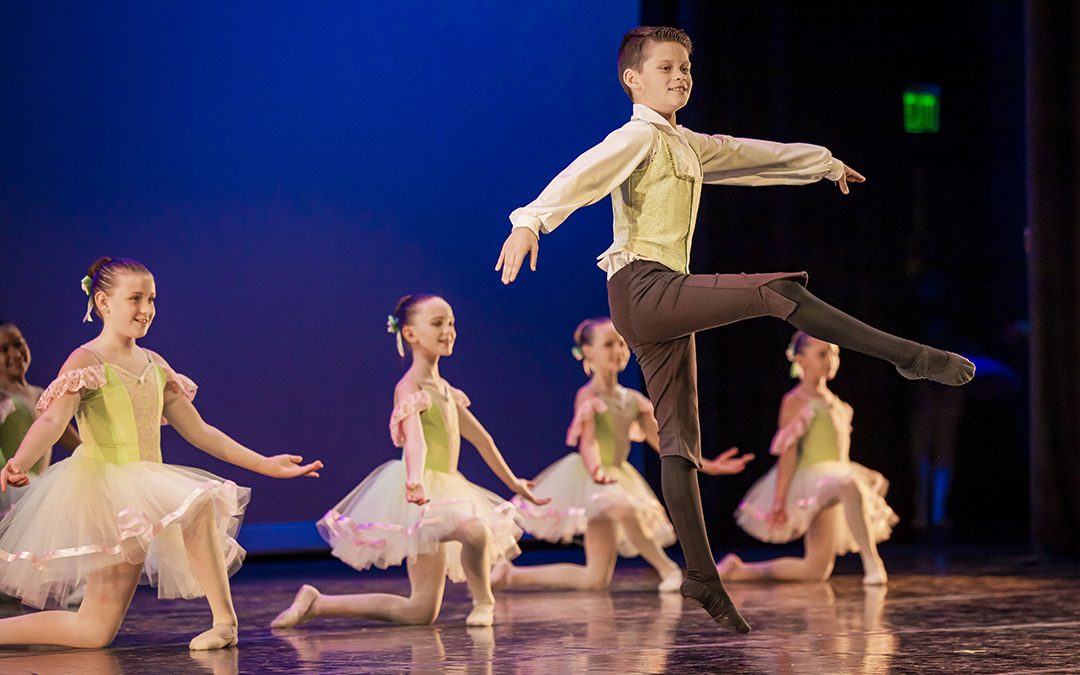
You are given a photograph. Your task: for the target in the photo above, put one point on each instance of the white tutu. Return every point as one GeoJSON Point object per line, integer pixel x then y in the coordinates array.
{"type": "Point", "coordinates": [813, 488]}
{"type": "Point", "coordinates": [576, 499]}
{"type": "Point", "coordinates": [375, 525]}
{"type": "Point", "coordinates": [83, 515]}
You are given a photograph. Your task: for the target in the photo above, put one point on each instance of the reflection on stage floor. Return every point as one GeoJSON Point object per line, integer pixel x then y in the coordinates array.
{"type": "Point", "coordinates": [980, 611]}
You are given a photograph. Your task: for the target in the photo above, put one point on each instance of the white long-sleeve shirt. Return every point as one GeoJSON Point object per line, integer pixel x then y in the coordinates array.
{"type": "Point", "coordinates": [718, 159]}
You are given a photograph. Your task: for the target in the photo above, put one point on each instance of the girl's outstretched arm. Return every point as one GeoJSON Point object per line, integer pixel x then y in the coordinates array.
{"type": "Point", "coordinates": [475, 433]}
{"type": "Point", "coordinates": [183, 416]}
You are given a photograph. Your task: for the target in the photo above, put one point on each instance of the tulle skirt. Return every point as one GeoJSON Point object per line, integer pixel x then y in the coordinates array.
{"type": "Point", "coordinates": [375, 525]}
{"type": "Point", "coordinates": [84, 514]}
{"type": "Point", "coordinates": [576, 499]}
{"type": "Point", "coordinates": [814, 488]}
{"type": "Point", "coordinates": [9, 497]}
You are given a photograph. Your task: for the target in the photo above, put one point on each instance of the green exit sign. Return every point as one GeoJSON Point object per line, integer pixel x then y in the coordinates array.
{"type": "Point", "coordinates": [922, 109]}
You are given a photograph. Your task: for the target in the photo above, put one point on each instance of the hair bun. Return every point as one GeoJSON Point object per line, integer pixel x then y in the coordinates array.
{"type": "Point", "coordinates": [97, 265]}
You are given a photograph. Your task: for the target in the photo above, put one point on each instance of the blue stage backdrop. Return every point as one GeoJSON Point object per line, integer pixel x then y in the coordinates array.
{"type": "Point", "coordinates": [288, 170]}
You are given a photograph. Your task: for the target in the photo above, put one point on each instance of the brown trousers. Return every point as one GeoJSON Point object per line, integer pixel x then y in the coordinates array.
{"type": "Point", "coordinates": [658, 311]}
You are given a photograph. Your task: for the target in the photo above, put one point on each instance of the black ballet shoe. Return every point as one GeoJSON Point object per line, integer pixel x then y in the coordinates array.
{"type": "Point", "coordinates": [954, 372]}
{"type": "Point", "coordinates": [714, 599]}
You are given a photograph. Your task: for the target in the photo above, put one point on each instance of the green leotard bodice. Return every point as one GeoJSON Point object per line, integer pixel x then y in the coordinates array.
{"type": "Point", "coordinates": [828, 435]}
{"type": "Point", "coordinates": [121, 421]}
{"type": "Point", "coordinates": [613, 426]}
{"type": "Point", "coordinates": [442, 432]}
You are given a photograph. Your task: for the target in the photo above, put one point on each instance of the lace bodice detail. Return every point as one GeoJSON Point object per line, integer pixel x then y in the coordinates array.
{"type": "Point", "coordinates": [616, 423]}
{"type": "Point", "coordinates": [119, 414]}
{"type": "Point", "coordinates": [438, 411]}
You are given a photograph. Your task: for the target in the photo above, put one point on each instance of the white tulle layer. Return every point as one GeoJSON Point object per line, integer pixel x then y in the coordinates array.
{"type": "Point", "coordinates": [813, 488]}
{"type": "Point", "coordinates": [375, 525]}
{"type": "Point", "coordinates": [576, 499]}
{"type": "Point", "coordinates": [83, 515]}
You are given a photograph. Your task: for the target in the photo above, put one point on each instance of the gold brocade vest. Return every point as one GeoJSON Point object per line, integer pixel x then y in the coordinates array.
{"type": "Point", "coordinates": [656, 203]}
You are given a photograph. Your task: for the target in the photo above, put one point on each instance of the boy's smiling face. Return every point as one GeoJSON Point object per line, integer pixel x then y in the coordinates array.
{"type": "Point", "coordinates": [664, 81]}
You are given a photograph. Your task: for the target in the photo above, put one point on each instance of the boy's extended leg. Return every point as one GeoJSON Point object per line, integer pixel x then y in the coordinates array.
{"type": "Point", "coordinates": [658, 305]}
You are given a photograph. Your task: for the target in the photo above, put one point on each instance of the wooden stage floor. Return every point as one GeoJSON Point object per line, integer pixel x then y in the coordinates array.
{"type": "Point", "coordinates": [944, 611]}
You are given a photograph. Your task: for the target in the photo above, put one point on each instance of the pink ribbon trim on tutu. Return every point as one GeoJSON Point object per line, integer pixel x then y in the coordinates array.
{"type": "Point", "coordinates": [72, 382]}
{"type": "Point", "coordinates": [133, 525]}
{"type": "Point", "coordinates": [335, 522]}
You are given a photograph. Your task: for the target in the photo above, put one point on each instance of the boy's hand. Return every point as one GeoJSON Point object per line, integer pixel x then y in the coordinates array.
{"type": "Point", "coordinates": [849, 175]}
{"type": "Point", "coordinates": [521, 243]}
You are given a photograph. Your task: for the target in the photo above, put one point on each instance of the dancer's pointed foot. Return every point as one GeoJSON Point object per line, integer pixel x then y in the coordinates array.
{"type": "Point", "coordinates": [482, 614]}
{"type": "Point", "coordinates": [220, 636]}
{"type": "Point", "coordinates": [728, 564]}
{"type": "Point", "coordinates": [714, 599]}
{"type": "Point", "coordinates": [300, 609]}
{"type": "Point", "coordinates": [671, 581]}
{"type": "Point", "coordinates": [939, 366]}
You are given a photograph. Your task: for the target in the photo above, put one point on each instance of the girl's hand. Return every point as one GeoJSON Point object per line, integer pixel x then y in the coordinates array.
{"type": "Point", "coordinates": [521, 244]}
{"type": "Point", "coordinates": [524, 487]}
{"type": "Point", "coordinates": [726, 463]}
{"type": "Point", "coordinates": [12, 475]}
{"type": "Point", "coordinates": [414, 494]}
{"type": "Point", "coordinates": [778, 517]}
{"type": "Point", "coordinates": [288, 466]}
{"type": "Point", "coordinates": [850, 175]}
{"type": "Point", "coordinates": [599, 477]}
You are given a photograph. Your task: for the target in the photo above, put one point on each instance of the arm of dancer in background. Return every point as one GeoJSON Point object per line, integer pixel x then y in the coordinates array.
{"type": "Point", "coordinates": [790, 411]}
{"type": "Point", "coordinates": [586, 441]}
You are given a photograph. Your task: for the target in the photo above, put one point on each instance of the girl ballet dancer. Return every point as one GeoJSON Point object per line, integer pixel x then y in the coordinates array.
{"type": "Point", "coordinates": [596, 492]}
{"type": "Point", "coordinates": [420, 508]}
{"type": "Point", "coordinates": [18, 408]}
{"type": "Point", "coordinates": [113, 514]}
{"type": "Point", "coordinates": [814, 491]}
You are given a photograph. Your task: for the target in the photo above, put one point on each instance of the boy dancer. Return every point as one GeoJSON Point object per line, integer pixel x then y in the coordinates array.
{"type": "Point", "coordinates": [653, 171]}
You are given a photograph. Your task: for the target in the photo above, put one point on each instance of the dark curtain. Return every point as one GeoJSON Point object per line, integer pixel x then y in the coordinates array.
{"type": "Point", "coordinates": [1053, 177]}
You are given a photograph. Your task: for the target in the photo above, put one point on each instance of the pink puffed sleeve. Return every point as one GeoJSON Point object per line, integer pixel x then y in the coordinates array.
{"type": "Point", "coordinates": [74, 381]}
{"type": "Point", "coordinates": [787, 437]}
{"type": "Point", "coordinates": [180, 384]}
{"type": "Point", "coordinates": [7, 406]}
{"type": "Point", "coordinates": [586, 412]}
{"type": "Point", "coordinates": [460, 398]}
{"type": "Point", "coordinates": [414, 404]}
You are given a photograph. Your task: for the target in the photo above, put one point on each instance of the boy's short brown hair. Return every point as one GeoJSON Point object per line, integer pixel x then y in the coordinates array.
{"type": "Point", "coordinates": [634, 43]}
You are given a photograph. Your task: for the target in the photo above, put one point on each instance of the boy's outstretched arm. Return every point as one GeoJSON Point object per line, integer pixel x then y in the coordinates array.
{"type": "Point", "coordinates": [587, 180]}
{"type": "Point", "coordinates": [727, 160]}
